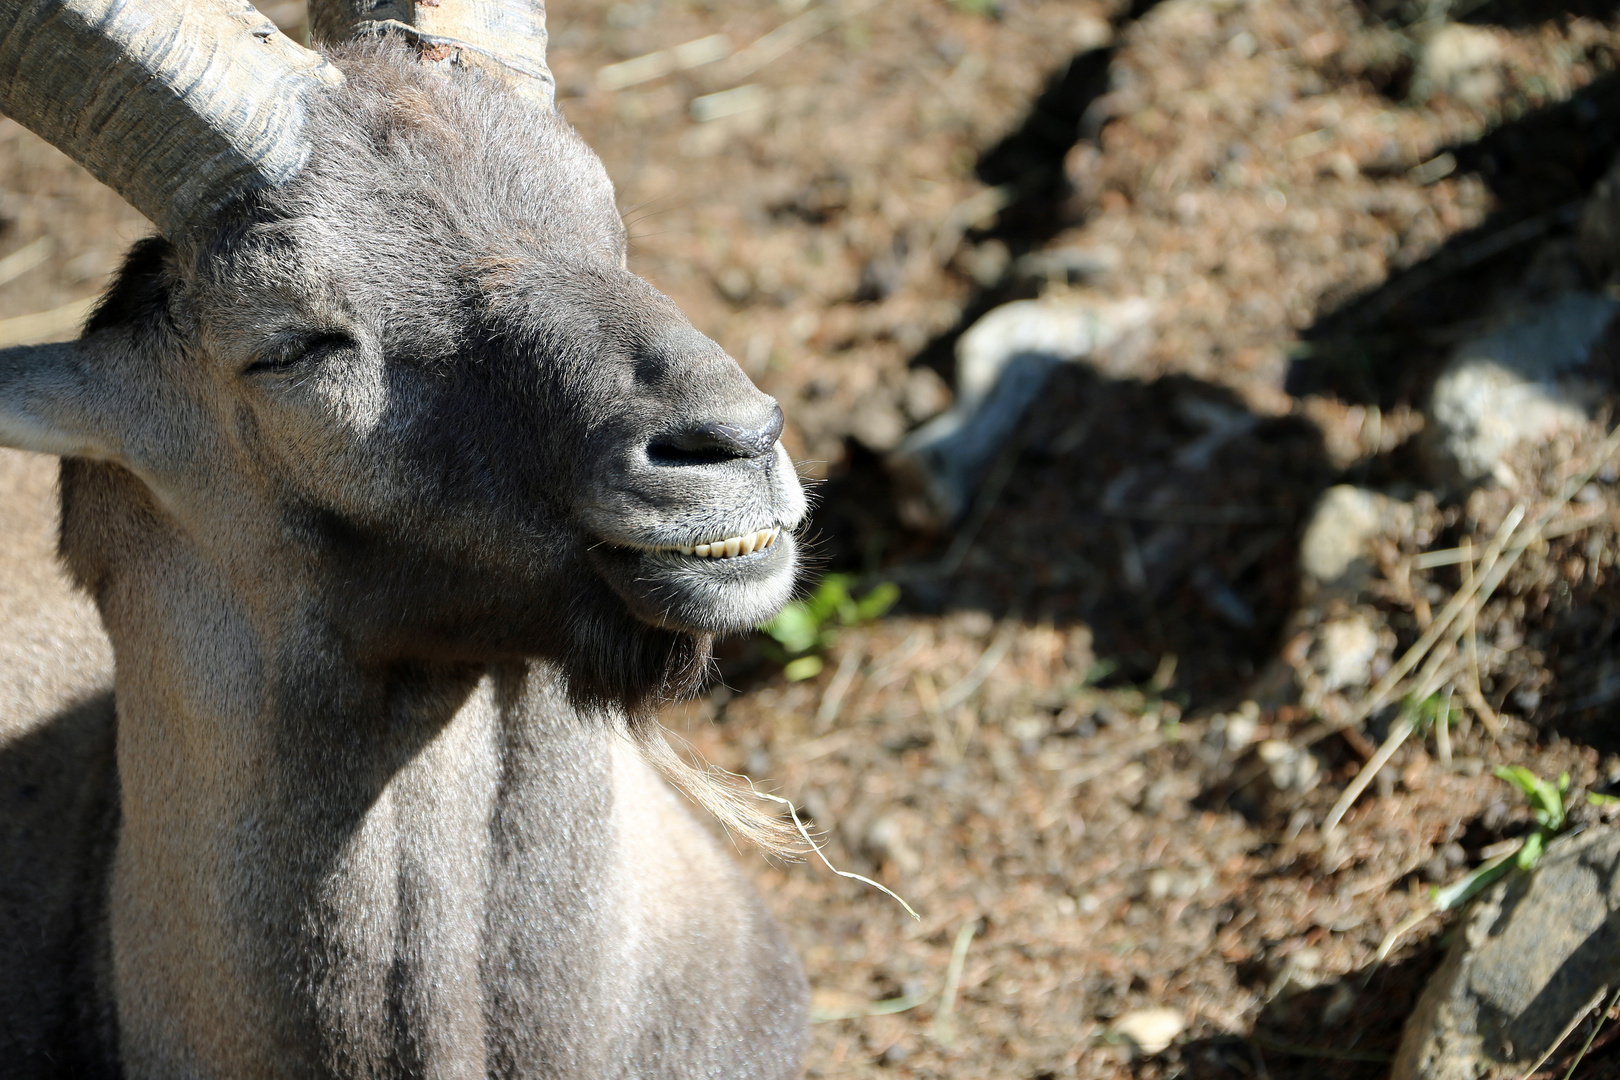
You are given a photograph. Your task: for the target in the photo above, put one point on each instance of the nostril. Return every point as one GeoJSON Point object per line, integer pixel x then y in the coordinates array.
{"type": "Point", "coordinates": [716, 441]}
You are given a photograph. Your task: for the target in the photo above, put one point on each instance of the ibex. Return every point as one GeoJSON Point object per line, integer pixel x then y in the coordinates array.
{"type": "Point", "coordinates": [401, 501]}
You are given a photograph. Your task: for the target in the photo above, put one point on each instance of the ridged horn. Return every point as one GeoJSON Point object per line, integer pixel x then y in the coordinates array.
{"type": "Point", "coordinates": [504, 37]}
{"type": "Point", "coordinates": [178, 105]}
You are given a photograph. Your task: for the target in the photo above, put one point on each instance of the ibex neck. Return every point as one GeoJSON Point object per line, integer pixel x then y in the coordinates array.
{"type": "Point", "coordinates": [312, 847]}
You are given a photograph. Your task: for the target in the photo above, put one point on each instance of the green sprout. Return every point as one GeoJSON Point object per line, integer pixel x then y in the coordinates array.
{"type": "Point", "coordinates": [807, 628]}
{"type": "Point", "coordinates": [1551, 813]}
{"type": "Point", "coordinates": [1547, 799]}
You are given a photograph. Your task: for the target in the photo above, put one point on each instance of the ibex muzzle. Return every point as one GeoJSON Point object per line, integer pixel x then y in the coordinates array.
{"type": "Point", "coordinates": [401, 500]}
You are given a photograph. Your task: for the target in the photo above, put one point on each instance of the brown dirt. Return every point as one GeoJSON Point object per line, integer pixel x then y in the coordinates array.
{"type": "Point", "coordinates": [1272, 175]}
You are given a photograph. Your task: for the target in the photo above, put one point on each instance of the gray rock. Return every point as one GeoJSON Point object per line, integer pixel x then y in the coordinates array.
{"type": "Point", "coordinates": [1521, 382]}
{"type": "Point", "coordinates": [1002, 362]}
{"type": "Point", "coordinates": [1533, 952]}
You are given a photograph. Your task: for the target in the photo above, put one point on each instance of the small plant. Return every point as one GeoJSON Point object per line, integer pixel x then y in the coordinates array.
{"type": "Point", "coordinates": [807, 628]}
{"type": "Point", "coordinates": [1551, 812]}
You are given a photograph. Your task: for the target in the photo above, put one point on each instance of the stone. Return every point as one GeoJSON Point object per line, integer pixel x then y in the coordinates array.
{"type": "Point", "coordinates": [1002, 362]}
{"type": "Point", "coordinates": [1334, 546]}
{"type": "Point", "coordinates": [1344, 652]}
{"type": "Point", "coordinates": [1462, 61]}
{"type": "Point", "coordinates": [1151, 1031]}
{"type": "Point", "coordinates": [1533, 952]}
{"type": "Point", "coordinates": [1289, 768]}
{"type": "Point", "coordinates": [1525, 380]}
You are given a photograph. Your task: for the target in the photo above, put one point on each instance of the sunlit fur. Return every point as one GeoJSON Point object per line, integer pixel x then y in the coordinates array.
{"type": "Point", "coordinates": [369, 459]}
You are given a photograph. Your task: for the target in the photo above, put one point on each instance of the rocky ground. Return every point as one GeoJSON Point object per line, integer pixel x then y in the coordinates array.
{"type": "Point", "coordinates": [1096, 741]}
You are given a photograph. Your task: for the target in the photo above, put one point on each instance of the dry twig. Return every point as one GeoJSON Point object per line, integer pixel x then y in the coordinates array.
{"type": "Point", "coordinates": [944, 1020]}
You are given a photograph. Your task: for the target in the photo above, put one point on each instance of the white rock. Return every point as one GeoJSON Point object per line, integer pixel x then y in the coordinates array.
{"type": "Point", "coordinates": [1151, 1031]}
{"type": "Point", "coordinates": [1463, 61]}
{"type": "Point", "coordinates": [1520, 382]}
{"type": "Point", "coordinates": [1002, 362]}
{"type": "Point", "coordinates": [1345, 650]}
{"type": "Point", "coordinates": [1289, 768]}
{"type": "Point", "coordinates": [1345, 519]}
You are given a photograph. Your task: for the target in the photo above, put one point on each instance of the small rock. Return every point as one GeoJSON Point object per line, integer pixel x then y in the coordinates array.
{"type": "Point", "coordinates": [1463, 61]}
{"type": "Point", "coordinates": [1089, 31]}
{"type": "Point", "coordinates": [1344, 653]}
{"type": "Point", "coordinates": [1001, 364]}
{"type": "Point", "coordinates": [1289, 768]}
{"type": "Point", "coordinates": [1534, 950]}
{"type": "Point", "coordinates": [1026, 729]}
{"type": "Point", "coordinates": [1520, 382]}
{"type": "Point", "coordinates": [735, 284]}
{"type": "Point", "coordinates": [1345, 519]}
{"type": "Point", "coordinates": [1151, 1031]}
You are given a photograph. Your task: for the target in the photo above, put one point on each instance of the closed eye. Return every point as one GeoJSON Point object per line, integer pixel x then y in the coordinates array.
{"type": "Point", "coordinates": [288, 355]}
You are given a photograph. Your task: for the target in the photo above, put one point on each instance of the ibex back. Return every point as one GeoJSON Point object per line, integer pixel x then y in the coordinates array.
{"type": "Point", "coordinates": [401, 500]}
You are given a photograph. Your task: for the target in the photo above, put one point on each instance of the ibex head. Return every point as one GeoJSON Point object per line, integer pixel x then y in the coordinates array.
{"type": "Point", "coordinates": [387, 343]}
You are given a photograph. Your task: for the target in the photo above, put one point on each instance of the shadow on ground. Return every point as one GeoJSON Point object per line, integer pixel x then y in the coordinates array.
{"type": "Point", "coordinates": [1386, 346]}
{"type": "Point", "coordinates": [1346, 1029]}
{"type": "Point", "coordinates": [1164, 515]}
{"type": "Point", "coordinates": [1026, 166]}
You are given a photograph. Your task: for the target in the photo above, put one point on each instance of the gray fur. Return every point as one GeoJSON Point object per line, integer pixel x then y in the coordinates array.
{"type": "Point", "coordinates": [372, 463]}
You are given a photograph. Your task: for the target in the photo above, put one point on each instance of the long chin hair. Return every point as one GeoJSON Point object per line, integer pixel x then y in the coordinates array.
{"type": "Point", "coordinates": [622, 670]}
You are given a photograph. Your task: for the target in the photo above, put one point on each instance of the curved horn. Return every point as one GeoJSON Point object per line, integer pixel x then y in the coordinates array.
{"type": "Point", "coordinates": [504, 37]}
{"type": "Point", "coordinates": [178, 105]}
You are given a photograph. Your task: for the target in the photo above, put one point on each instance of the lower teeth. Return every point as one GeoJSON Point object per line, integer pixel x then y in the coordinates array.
{"type": "Point", "coordinates": [733, 547]}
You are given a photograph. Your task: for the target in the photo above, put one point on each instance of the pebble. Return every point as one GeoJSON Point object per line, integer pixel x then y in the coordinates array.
{"type": "Point", "coordinates": [1344, 652]}
{"type": "Point", "coordinates": [1151, 1031]}
{"type": "Point", "coordinates": [1462, 61]}
{"type": "Point", "coordinates": [1289, 768]}
{"type": "Point", "coordinates": [1346, 518]}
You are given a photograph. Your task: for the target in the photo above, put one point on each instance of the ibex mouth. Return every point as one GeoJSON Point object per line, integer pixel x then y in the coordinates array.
{"type": "Point", "coordinates": [729, 548]}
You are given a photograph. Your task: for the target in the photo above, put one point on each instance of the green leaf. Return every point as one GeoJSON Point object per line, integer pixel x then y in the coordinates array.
{"type": "Point", "coordinates": [1595, 799]}
{"type": "Point", "coordinates": [1468, 886]}
{"type": "Point", "coordinates": [1423, 713]}
{"type": "Point", "coordinates": [1546, 799]}
{"type": "Point", "coordinates": [876, 604]}
{"type": "Point", "coordinates": [831, 595]}
{"type": "Point", "coordinates": [805, 667]}
{"type": "Point", "coordinates": [795, 628]}
{"type": "Point", "coordinates": [809, 626]}
{"type": "Point", "coordinates": [1530, 854]}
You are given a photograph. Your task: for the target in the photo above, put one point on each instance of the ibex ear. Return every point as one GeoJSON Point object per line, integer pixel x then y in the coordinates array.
{"type": "Point", "coordinates": [53, 400]}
